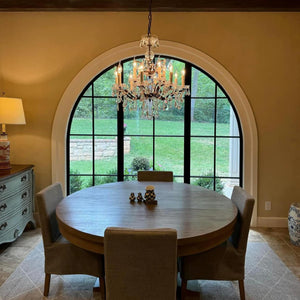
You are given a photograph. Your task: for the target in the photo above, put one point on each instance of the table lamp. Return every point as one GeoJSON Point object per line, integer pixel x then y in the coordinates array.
{"type": "Point", "coordinates": [11, 112]}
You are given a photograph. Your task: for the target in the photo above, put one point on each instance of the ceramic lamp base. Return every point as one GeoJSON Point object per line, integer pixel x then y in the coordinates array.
{"type": "Point", "coordinates": [4, 155]}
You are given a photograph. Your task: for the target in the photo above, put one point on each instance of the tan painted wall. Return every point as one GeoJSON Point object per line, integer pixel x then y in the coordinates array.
{"type": "Point", "coordinates": [40, 53]}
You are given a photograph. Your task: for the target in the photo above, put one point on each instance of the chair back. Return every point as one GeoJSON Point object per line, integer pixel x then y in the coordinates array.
{"type": "Point", "coordinates": [47, 201]}
{"type": "Point", "coordinates": [244, 203]}
{"type": "Point", "coordinates": [166, 176]}
{"type": "Point", "coordinates": [140, 264]}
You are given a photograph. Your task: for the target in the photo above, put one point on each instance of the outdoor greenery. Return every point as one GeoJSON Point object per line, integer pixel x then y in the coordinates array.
{"type": "Point", "coordinates": [208, 182]}
{"type": "Point", "coordinates": [140, 163]}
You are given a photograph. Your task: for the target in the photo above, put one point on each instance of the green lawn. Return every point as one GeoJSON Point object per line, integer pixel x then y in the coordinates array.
{"type": "Point", "coordinates": [169, 150]}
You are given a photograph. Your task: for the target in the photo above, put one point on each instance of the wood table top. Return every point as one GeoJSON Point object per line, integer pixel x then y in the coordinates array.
{"type": "Point", "coordinates": [202, 218]}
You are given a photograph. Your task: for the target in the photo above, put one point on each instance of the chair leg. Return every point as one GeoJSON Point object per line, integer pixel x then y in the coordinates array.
{"type": "Point", "coordinates": [183, 288]}
{"type": "Point", "coordinates": [47, 284]}
{"type": "Point", "coordinates": [242, 289]}
{"type": "Point", "coordinates": [102, 288]}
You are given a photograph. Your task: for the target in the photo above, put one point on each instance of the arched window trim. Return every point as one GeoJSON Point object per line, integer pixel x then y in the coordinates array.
{"type": "Point", "coordinates": [176, 50]}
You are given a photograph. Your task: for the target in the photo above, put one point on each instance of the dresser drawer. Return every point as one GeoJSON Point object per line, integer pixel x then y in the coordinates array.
{"type": "Point", "coordinates": [20, 216]}
{"type": "Point", "coordinates": [16, 183]}
{"type": "Point", "coordinates": [9, 205]}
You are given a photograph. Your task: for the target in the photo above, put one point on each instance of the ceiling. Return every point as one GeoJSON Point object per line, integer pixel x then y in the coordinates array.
{"type": "Point", "coordinates": [157, 5]}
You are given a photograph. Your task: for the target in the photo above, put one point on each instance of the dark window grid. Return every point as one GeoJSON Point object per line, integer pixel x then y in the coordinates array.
{"type": "Point", "coordinates": [221, 177]}
{"type": "Point", "coordinates": [99, 97]}
{"type": "Point", "coordinates": [209, 98]}
{"type": "Point", "coordinates": [217, 136]}
{"type": "Point", "coordinates": [215, 139]}
{"type": "Point", "coordinates": [157, 135]}
{"type": "Point", "coordinates": [93, 131]}
{"type": "Point", "coordinates": [121, 156]}
{"type": "Point", "coordinates": [114, 97]}
{"type": "Point", "coordinates": [93, 135]}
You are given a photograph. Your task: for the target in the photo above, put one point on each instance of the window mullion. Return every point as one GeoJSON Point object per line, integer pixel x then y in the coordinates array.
{"type": "Point", "coordinates": [120, 137]}
{"type": "Point", "coordinates": [187, 126]}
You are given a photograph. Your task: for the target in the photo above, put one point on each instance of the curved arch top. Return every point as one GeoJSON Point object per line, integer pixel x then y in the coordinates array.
{"type": "Point", "coordinates": [178, 50]}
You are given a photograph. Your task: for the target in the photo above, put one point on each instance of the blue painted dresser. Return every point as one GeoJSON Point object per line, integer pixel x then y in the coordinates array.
{"type": "Point", "coordinates": [16, 201]}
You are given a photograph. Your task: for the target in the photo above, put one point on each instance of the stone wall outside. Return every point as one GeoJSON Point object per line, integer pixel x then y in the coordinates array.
{"type": "Point", "coordinates": [82, 149]}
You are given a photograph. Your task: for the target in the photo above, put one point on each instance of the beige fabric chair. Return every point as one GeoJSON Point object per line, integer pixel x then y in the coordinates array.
{"type": "Point", "coordinates": [227, 261]}
{"type": "Point", "coordinates": [62, 257]}
{"type": "Point", "coordinates": [166, 176]}
{"type": "Point", "coordinates": [140, 264]}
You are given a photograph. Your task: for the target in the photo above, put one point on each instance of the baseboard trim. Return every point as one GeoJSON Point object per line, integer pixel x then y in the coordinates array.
{"type": "Point", "coordinates": [272, 222]}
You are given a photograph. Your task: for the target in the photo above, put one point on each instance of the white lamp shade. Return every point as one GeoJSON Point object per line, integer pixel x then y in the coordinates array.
{"type": "Point", "coordinates": [11, 111]}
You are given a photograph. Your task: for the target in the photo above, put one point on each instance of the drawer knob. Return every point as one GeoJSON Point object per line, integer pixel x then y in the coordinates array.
{"type": "Point", "coordinates": [16, 233]}
{"type": "Point", "coordinates": [3, 225]}
{"type": "Point", "coordinates": [2, 188]}
{"type": "Point", "coordinates": [24, 195]}
{"type": "Point", "coordinates": [24, 211]}
{"type": "Point", "coordinates": [24, 178]}
{"type": "Point", "coordinates": [2, 207]}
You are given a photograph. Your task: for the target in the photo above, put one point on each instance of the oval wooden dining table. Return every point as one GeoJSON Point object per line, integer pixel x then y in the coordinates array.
{"type": "Point", "coordinates": [202, 218]}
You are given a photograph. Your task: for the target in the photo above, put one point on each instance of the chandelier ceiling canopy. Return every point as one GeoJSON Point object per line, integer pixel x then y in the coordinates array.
{"type": "Point", "coordinates": [152, 86]}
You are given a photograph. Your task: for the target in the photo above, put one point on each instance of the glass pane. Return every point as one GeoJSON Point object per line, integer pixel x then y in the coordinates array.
{"type": "Point", "coordinates": [106, 179]}
{"type": "Point", "coordinates": [170, 122]}
{"type": "Point", "coordinates": [228, 186]}
{"type": "Point", "coordinates": [220, 92]}
{"type": "Point", "coordinates": [178, 179]}
{"type": "Point", "coordinates": [206, 182]}
{"type": "Point", "coordinates": [82, 119]}
{"type": "Point", "coordinates": [228, 157]}
{"type": "Point", "coordinates": [81, 150]}
{"type": "Point", "coordinates": [202, 116]}
{"type": "Point", "coordinates": [139, 156]}
{"type": "Point", "coordinates": [134, 125]}
{"type": "Point", "coordinates": [202, 156]}
{"type": "Point", "coordinates": [103, 84]}
{"type": "Point", "coordinates": [105, 113]}
{"type": "Point", "coordinates": [210, 183]}
{"type": "Point", "coordinates": [169, 154]}
{"type": "Point", "coordinates": [79, 182]}
{"type": "Point", "coordinates": [202, 85]}
{"type": "Point", "coordinates": [226, 121]}
{"type": "Point", "coordinates": [106, 155]}
{"type": "Point", "coordinates": [89, 91]}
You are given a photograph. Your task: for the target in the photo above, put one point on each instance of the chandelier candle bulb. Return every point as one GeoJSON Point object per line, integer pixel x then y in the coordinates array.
{"type": "Point", "coordinates": [141, 73]}
{"type": "Point", "coordinates": [131, 81]}
{"type": "Point", "coordinates": [119, 74]}
{"type": "Point", "coordinates": [175, 79]}
{"type": "Point", "coordinates": [171, 73]}
{"type": "Point", "coordinates": [159, 69]}
{"type": "Point", "coordinates": [183, 77]}
{"type": "Point", "coordinates": [116, 76]}
{"type": "Point", "coordinates": [134, 69]}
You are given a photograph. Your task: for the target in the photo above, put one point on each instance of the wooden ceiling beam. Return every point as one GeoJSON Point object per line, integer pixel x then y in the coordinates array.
{"type": "Point", "coordinates": [157, 5]}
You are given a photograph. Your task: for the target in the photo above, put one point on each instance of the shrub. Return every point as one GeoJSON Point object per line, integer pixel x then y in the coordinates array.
{"type": "Point", "coordinates": [76, 182]}
{"type": "Point", "coordinates": [208, 183]}
{"type": "Point", "coordinates": [140, 163]}
{"type": "Point", "coordinates": [104, 179]}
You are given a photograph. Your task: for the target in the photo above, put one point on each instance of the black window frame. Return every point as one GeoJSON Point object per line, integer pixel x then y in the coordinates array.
{"type": "Point", "coordinates": [187, 129]}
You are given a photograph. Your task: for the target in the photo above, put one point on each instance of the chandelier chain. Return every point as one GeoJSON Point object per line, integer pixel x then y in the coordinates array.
{"type": "Point", "coordinates": [150, 18]}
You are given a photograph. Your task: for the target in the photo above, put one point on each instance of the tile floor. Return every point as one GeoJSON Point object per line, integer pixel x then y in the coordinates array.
{"type": "Point", "coordinates": [11, 255]}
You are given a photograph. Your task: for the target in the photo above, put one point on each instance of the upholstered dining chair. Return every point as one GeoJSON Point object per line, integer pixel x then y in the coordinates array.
{"type": "Point", "coordinates": [166, 176]}
{"type": "Point", "coordinates": [140, 264]}
{"type": "Point", "coordinates": [62, 257]}
{"type": "Point", "coordinates": [226, 261]}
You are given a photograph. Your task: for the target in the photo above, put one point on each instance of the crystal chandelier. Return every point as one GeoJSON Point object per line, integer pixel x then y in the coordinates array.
{"type": "Point", "coordinates": [152, 86]}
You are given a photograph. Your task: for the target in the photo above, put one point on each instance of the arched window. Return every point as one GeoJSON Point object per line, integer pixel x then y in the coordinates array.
{"type": "Point", "coordinates": [201, 143]}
